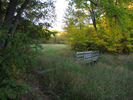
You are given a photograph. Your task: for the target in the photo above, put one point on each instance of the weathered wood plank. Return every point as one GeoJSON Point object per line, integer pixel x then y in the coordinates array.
{"type": "Point", "coordinates": [87, 56]}
{"type": "Point", "coordinates": [79, 52]}
{"type": "Point", "coordinates": [41, 72]}
{"type": "Point", "coordinates": [88, 52]}
{"type": "Point", "coordinates": [80, 55]}
{"type": "Point", "coordinates": [83, 52]}
{"type": "Point", "coordinates": [95, 55]}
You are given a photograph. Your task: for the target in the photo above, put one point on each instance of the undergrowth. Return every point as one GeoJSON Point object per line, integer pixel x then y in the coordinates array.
{"type": "Point", "coordinates": [108, 79]}
{"type": "Point", "coordinates": [14, 60]}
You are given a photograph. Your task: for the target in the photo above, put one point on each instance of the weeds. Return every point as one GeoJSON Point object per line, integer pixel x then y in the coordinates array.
{"type": "Point", "coordinates": [109, 79]}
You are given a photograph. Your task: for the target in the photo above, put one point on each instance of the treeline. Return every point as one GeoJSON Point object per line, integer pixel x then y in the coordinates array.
{"type": "Point", "coordinates": [39, 33]}
{"type": "Point", "coordinates": [110, 29]}
{"type": "Point", "coordinates": [35, 31]}
{"type": "Point", "coordinates": [58, 38]}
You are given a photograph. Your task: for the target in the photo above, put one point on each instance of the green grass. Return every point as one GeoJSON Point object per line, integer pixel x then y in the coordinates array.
{"type": "Point", "coordinates": [111, 78]}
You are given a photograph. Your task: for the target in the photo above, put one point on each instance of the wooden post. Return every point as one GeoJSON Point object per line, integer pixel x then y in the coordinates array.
{"type": "Point", "coordinates": [76, 55]}
{"type": "Point", "coordinates": [92, 57]}
{"type": "Point", "coordinates": [84, 57]}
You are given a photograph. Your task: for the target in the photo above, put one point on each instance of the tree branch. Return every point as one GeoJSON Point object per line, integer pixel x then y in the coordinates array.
{"type": "Point", "coordinates": [16, 21]}
{"type": "Point", "coordinates": [31, 5]}
{"type": "Point", "coordinates": [93, 19]}
{"type": "Point", "coordinates": [11, 9]}
{"type": "Point", "coordinates": [94, 3]}
{"type": "Point", "coordinates": [8, 21]}
{"type": "Point", "coordinates": [22, 8]}
{"type": "Point", "coordinates": [0, 14]}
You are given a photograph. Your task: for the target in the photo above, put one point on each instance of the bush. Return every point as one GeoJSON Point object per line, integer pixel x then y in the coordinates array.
{"type": "Point", "coordinates": [14, 60]}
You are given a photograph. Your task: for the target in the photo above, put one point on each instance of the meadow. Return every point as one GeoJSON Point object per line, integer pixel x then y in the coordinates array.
{"type": "Point", "coordinates": [110, 78]}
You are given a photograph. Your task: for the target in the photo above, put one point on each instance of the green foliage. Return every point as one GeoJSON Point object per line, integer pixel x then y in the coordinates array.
{"type": "Point", "coordinates": [112, 28]}
{"type": "Point", "coordinates": [41, 10]}
{"type": "Point", "coordinates": [56, 38]}
{"type": "Point", "coordinates": [35, 10]}
{"type": "Point", "coordinates": [30, 11]}
{"type": "Point", "coordinates": [35, 31]}
{"type": "Point", "coordinates": [14, 60]}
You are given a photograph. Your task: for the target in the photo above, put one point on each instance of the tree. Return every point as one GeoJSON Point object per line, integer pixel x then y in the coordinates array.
{"type": "Point", "coordinates": [16, 51]}
{"type": "Point", "coordinates": [35, 31]}
{"type": "Point", "coordinates": [112, 9]}
{"type": "Point", "coordinates": [75, 17]}
{"type": "Point", "coordinates": [12, 11]}
{"type": "Point", "coordinates": [111, 20]}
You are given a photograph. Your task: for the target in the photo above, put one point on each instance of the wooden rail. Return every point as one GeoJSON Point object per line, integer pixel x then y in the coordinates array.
{"type": "Point", "coordinates": [87, 56]}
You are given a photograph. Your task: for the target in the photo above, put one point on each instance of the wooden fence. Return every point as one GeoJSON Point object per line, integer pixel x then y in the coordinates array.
{"type": "Point", "coordinates": [87, 56]}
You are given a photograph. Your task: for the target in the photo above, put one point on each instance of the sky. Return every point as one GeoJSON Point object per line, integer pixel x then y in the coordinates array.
{"type": "Point", "coordinates": [60, 6]}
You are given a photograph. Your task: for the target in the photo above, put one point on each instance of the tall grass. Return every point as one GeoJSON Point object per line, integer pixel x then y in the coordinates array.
{"type": "Point", "coordinates": [111, 78]}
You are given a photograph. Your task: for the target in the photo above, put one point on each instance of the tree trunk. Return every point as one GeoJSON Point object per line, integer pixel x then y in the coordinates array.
{"type": "Point", "coordinates": [9, 20]}
{"type": "Point", "coordinates": [93, 19]}
{"type": "Point", "coordinates": [0, 14]}
{"type": "Point", "coordinates": [116, 15]}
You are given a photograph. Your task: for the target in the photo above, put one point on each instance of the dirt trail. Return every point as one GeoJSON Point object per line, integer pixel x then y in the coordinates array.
{"type": "Point", "coordinates": [35, 92]}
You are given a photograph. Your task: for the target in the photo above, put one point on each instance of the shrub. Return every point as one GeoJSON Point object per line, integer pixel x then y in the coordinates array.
{"type": "Point", "coordinates": [14, 60]}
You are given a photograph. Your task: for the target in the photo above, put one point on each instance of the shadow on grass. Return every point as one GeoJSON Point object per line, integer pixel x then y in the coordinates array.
{"type": "Point", "coordinates": [108, 79]}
